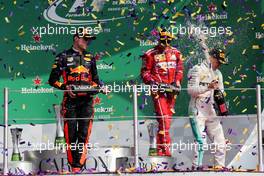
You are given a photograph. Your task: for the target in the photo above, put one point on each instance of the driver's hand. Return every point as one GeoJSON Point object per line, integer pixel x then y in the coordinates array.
{"type": "Point", "coordinates": [70, 92]}
{"type": "Point", "coordinates": [213, 85]}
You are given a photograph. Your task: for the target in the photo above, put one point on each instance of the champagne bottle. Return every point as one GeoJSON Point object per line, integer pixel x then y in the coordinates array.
{"type": "Point", "coordinates": [220, 103]}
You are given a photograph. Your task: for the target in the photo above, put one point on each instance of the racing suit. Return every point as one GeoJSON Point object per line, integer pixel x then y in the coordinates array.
{"type": "Point", "coordinates": [79, 70]}
{"type": "Point", "coordinates": [162, 65]}
{"type": "Point", "coordinates": [201, 109]}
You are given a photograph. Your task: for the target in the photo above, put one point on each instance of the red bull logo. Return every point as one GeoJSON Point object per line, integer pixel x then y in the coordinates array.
{"type": "Point", "coordinates": [79, 69]}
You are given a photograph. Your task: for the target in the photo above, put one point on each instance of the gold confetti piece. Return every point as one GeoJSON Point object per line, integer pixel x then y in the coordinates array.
{"type": "Point", "coordinates": [229, 77]}
{"type": "Point", "coordinates": [244, 51]}
{"type": "Point", "coordinates": [21, 33]}
{"type": "Point", "coordinates": [231, 41]}
{"type": "Point", "coordinates": [117, 49]}
{"type": "Point", "coordinates": [245, 131]}
{"type": "Point", "coordinates": [165, 11]}
{"type": "Point", "coordinates": [245, 110]}
{"type": "Point", "coordinates": [238, 103]}
{"type": "Point", "coordinates": [17, 47]}
{"type": "Point", "coordinates": [121, 43]}
{"type": "Point", "coordinates": [237, 157]}
{"type": "Point", "coordinates": [226, 83]}
{"type": "Point", "coordinates": [225, 94]}
{"type": "Point", "coordinates": [246, 18]}
{"type": "Point", "coordinates": [122, 12]}
{"type": "Point", "coordinates": [243, 90]}
{"type": "Point", "coordinates": [242, 141]}
{"type": "Point", "coordinates": [18, 74]}
{"type": "Point", "coordinates": [178, 14]}
{"type": "Point", "coordinates": [255, 46]}
{"type": "Point", "coordinates": [235, 99]}
{"type": "Point", "coordinates": [262, 25]}
{"type": "Point", "coordinates": [153, 18]}
{"type": "Point", "coordinates": [21, 62]}
{"type": "Point", "coordinates": [119, 24]}
{"type": "Point", "coordinates": [50, 2]}
{"type": "Point", "coordinates": [238, 81]}
{"type": "Point", "coordinates": [239, 19]}
{"type": "Point", "coordinates": [7, 20]}
{"type": "Point", "coordinates": [14, 2]}
{"type": "Point", "coordinates": [93, 16]}
{"type": "Point", "coordinates": [213, 22]}
{"type": "Point", "coordinates": [135, 22]}
{"type": "Point", "coordinates": [145, 29]}
{"type": "Point", "coordinates": [23, 106]}
{"type": "Point", "coordinates": [255, 106]}
{"type": "Point", "coordinates": [187, 125]}
{"type": "Point", "coordinates": [64, 5]}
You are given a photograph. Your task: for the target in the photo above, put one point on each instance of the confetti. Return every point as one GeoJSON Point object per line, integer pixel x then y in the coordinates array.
{"type": "Point", "coordinates": [7, 20]}
{"type": "Point", "coordinates": [245, 130]}
{"type": "Point", "coordinates": [243, 111]}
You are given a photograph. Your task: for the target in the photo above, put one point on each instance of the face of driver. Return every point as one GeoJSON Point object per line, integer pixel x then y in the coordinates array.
{"type": "Point", "coordinates": [81, 42]}
{"type": "Point", "coordinates": [165, 38]}
{"type": "Point", "coordinates": [215, 63]}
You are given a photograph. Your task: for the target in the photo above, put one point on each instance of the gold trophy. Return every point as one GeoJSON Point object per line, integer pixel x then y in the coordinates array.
{"type": "Point", "coordinates": [16, 137]}
{"type": "Point", "coordinates": [152, 129]}
{"type": "Point", "coordinates": [59, 140]}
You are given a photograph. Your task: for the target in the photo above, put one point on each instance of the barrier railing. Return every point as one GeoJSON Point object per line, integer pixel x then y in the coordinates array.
{"type": "Point", "coordinates": [142, 118]}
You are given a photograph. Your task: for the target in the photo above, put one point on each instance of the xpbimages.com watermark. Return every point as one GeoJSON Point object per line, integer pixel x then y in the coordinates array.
{"type": "Point", "coordinates": [198, 30]}
{"type": "Point", "coordinates": [64, 30]}
{"type": "Point", "coordinates": [125, 88]}
{"type": "Point", "coordinates": [213, 148]}
{"type": "Point", "coordinates": [80, 147]}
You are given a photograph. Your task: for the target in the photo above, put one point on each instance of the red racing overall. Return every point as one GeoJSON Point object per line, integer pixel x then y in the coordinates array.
{"type": "Point", "coordinates": [163, 65]}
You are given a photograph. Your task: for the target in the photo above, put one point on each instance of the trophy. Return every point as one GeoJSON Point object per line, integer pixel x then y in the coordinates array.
{"type": "Point", "coordinates": [59, 140]}
{"type": "Point", "coordinates": [152, 129]}
{"type": "Point", "coordinates": [16, 137]}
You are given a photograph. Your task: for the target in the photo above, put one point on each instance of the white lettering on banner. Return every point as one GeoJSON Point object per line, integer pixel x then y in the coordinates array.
{"type": "Point", "coordinates": [148, 43]}
{"type": "Point", "coordinates": [24, 47]}
{"type": "Point", "coordinates": [104, 67]}
{"type": "Point", "coordinates": [34, 91]}
{"type": "Point", "coordinates": [104, 109]}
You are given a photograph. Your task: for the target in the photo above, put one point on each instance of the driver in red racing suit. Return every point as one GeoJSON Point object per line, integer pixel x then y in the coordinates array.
{"type": "Point", "coordinates": [163, 64]}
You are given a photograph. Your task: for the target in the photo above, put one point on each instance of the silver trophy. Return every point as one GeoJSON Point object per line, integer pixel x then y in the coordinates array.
{"type": "Point", "coordinates": [16, 137]}
{"type": "Point", "coordinates": [152, 129]}
{"type": "Point", "coordinates": [59, 139]}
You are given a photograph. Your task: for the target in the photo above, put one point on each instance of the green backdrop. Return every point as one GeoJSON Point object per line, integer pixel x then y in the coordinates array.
{"type": "Point", "coordinates": [125, 25]}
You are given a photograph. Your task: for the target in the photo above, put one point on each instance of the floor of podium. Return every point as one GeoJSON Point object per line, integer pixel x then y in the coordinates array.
{"type": "Point", "coordinates": [189, 173]}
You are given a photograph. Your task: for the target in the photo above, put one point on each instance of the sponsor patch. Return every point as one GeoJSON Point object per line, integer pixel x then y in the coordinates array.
{"type": "Point", "coordinates": [70, 59]}
{"type": "Point", "coordinates": [160, 57]}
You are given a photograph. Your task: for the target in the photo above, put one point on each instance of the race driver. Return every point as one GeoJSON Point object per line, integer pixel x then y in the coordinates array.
{"type": "Point", "coordinates": [203, 79]}
{"type": "Point", "coordinates": [163, 65]}
{"type": "Point", "coordinates": [77, 68]}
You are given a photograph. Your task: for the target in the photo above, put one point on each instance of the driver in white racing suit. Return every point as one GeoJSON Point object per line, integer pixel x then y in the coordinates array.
{"type": "Point", "coordinates": [203, 79]}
